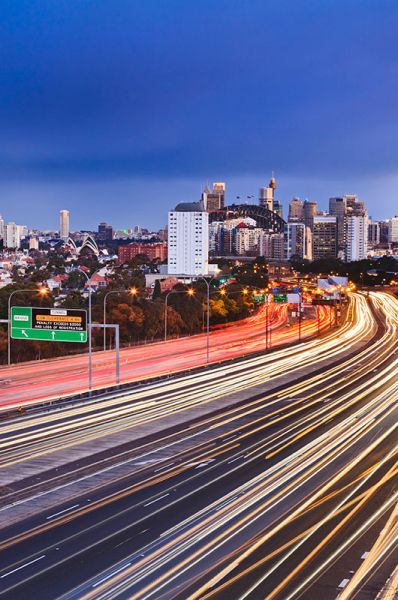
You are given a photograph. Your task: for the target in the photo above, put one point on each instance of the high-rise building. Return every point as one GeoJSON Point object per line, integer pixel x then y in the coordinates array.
{"type": "Point", "coordinates": [64, 224]}
{"type": "Point", "coordinates": [298, 240]}
{"type": "Point", "coordinates": [310, 209]}
{"type": "Point", "coordinates": [384, 226]}
{"type": "Point", "coordinates": [188, 240]}
{"type": "Point", "coordinates": [373, 233]}
{"type": "Point", "coordinates": [393, 230]}
{"type": "Point", "coordinates": [278, 208]}
{"type": "Point", "coordinates": [105, 232]}
{"type": "Point", "coordinates": [338, 208]}
{"type": "Point", "coordinates": [324, 237]}
{"type": "Point", "coordinates": [354, 206]}
{"type": "Point", "coordinates": [214, 199]}
{"type": "Point", "coordinates": [270, 245]}
{"type": "Point", "coordinates": [266, 195]}
{"type": "Point", "coordinates": [296, 212]}
{"type": "Point", "coordinates": [1, 228]}
{"type": "Point", "coordinates": [13, 234]}
{"type": "Point", "coordinates": [357, 237]}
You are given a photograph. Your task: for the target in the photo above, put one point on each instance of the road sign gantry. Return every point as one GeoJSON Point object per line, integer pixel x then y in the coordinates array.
{"type": "Point", "coordinates": [48, 324]}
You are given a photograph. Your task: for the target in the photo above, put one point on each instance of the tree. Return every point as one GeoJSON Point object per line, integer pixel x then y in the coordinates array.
{"type": "Point", "coordinates": [157, 290]}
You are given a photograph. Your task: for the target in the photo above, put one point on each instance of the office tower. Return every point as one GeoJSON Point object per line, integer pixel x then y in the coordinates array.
{"type": "Point", "coordinates": [296, 212]}
{"type": "Point", "coordinates": [324, 237]}
{"type": "Point", "coordinates": [64, 224]}
{"type": "Point", "coordinates": [1, 228]}
{"type": "Point", "coordinates": [384, 226]}
{"type": "Point", "coordinates": [105, 232]}
{"type": "Point", "coordinates": [12, 235]}
{"type": "Point", "coordinates": [393, 230]}
{"type": "Point", "coordinates": [298, 240]}
{"type": "Point", "coordinates": [266, 195]}
{"type": "Point", "coordinates": [214, 199]}
{"type": "Point", "coordinates": [188, 240]}
{"type": "Point", "coordinates": [373, 233]}
{"type": "Point", "coordinates": [357, 237]}
{"type": "Point", "coordinates": [338, 209]}
{"type": "Point", "coordinates": [354, 206]}
{"type": "Point", "coordinates": [278, 208]}
{"type": "Point", "coordinates": [310, 209]}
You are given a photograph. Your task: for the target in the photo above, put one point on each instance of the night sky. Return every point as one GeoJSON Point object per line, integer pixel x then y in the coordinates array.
{"type": "Point", "coordinates": [119, 109]}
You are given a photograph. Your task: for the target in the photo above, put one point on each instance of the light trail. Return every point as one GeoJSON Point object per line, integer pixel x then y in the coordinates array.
{"type": "Point", "coordinates": [316, 441]}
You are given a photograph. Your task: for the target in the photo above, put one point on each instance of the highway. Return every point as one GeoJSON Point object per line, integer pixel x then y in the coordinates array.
{"type": "Point", "coordinates": [26, 383]}
{"type": "Point", "coordinates": [272, 477]}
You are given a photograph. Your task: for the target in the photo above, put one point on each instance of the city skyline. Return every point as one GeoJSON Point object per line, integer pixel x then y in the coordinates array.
{"type": "Point", "coordinates": [125, 105]}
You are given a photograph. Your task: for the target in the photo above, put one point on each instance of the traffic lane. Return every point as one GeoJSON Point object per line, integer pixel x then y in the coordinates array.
{"type": "Point", "coordinates": [73, 377]}
{"type": "Point", "coordinates": [261, 412]}
{"type": "Point", "coordinates": [326, 584]}
{"type": "Point", "coordinates": [264, 412]}
{"type": "Point", "coordinates": [188, 507]}
{"type": "Point", "coordinates": [245, 404]}
{"type": "Point", "coordinates": [202, 572]}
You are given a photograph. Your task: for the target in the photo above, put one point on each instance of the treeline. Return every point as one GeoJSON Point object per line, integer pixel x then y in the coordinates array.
{"type": "Point", "coordinates": [140, 319]}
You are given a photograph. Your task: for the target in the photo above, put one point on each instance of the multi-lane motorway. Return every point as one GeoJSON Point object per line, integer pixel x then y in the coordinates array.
{"type": "Point", "coordinates": [40, 380]}
{"type": "Point", "coordinates": [272, 477]}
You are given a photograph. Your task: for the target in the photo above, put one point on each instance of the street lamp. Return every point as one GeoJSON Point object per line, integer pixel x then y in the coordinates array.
{"type": "Point", "coordinates": [189, 292]}
{"type": "Point", "coordinates": [42, 291]}
{"type": "Point", "coordinates": [90, 359]}
{"type": "Point", "coordinates": [132, 291]}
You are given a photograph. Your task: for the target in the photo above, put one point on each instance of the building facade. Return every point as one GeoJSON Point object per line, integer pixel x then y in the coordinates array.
{"type": "Point", "coordinates": [357, 237]}
{"type": "Point", "coordinates": [188, 240]}
{"type": "Point", "coordinates": [296, 212]}
{"type": "Point", "coordinates": [154, 251]}
{"type": "Point", "coordinates": [324, 237]}
{"type": "Point", "coordinates": [64, 224]}
{"type": "Point", "coordinates": [214, 199]}
{"type": "Point", "coordinates": [298, 241]}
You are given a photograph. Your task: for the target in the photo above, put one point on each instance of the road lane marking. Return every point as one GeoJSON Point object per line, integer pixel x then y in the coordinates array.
{"type": "Point", "coordinates": [62, 511]}
{"type": "Point", "coordinates": [156, 499]}
{"type": "Point", "coordinates": [110, 575]}
{"type": "Point", "coordinates": [344, 583]}
{"type": "Point", "coordinates": [23, 566]}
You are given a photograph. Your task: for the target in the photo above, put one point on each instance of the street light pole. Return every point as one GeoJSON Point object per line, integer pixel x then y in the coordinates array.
{"type": "Point", "coordinates": [208, 315]}
{"type": "Point", "coordinates": [190, 292]}
{"type": "Point", "coordinates": [299, 323]}
{"type": "Point", "coordinates": [131, 291]}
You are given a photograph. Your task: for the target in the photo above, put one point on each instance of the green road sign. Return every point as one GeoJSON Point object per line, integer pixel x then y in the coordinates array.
{"type": "Point", "coordinates": [48, 324]}
{"type": "Point", "coordinates": [258, 298]}
{"type": "Point", "coordinates": [280, 298]}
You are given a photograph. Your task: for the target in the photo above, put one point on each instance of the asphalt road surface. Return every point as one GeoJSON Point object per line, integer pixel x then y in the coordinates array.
{"type": "Point", "coordinates": [287, 493]}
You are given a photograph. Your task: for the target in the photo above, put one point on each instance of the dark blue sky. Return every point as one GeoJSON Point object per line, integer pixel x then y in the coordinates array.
{"type": "Point", "coordinates": [119, 109]}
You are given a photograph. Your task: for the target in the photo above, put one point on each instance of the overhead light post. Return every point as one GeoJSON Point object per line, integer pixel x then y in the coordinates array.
{"type": "Point", "coordinates": [189, 292]}
{"type": "Point", "coordinates": [90, 348]}
{"type": "Point", "coordinates": [132, 291]}
{"type": "Point", "coordinates": [42, 291]}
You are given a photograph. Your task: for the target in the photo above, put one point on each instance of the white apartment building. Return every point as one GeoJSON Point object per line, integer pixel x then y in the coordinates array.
{"type": "Point", "coordinates": [13, 234]}
{"type": "Point", "coordinates": [247, 239]}
{"type": "Point", "coordinates": [356, 238]}
{"type": "Point", "coordinates": [393, 230]}
{"type": "Point", "coordinates": [188, 240]}
{"type": "Point", "coordinates": [298, 240]}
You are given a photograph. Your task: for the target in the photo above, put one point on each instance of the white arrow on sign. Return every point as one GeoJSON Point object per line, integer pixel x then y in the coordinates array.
{"type": "Point", "coordinates": [81, 335]}
{"type": "Point", "coordinates": [24, 333]}
{"type": "Point", "coordinates": [53, 334]}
